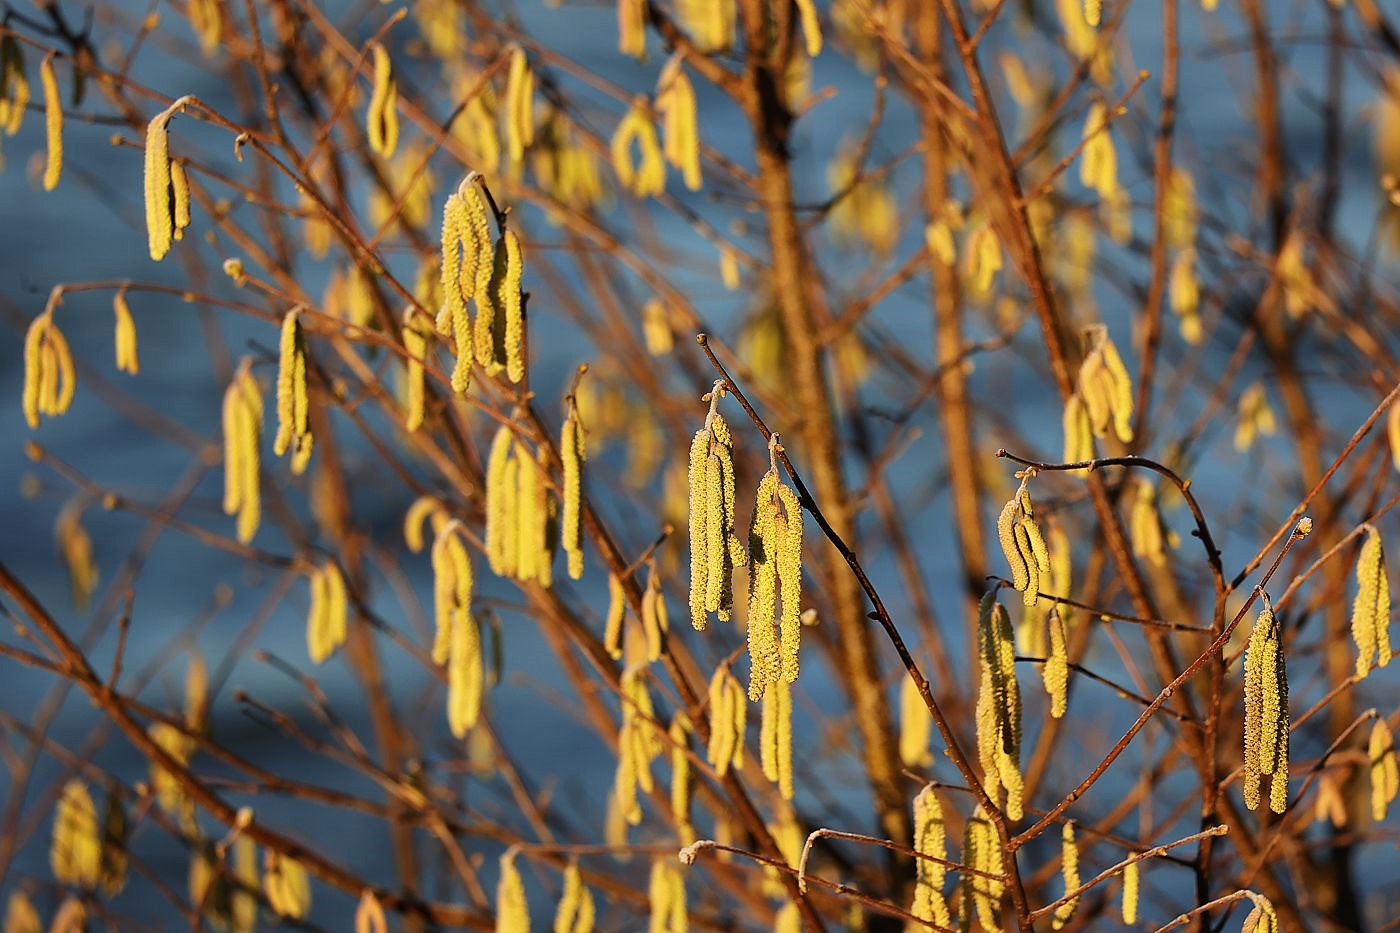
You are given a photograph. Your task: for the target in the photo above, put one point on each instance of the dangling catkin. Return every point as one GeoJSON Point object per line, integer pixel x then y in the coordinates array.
{"type": "Point", "coordinates": [242, 423]}
{"type": "Point", "coordinates": [573, 450]}
{"type": "Point", "coordinates": [714, 549]}
{"type": "Point", "coordinates": [998, 707]}
{"type": "Point", "coordinates": [1266, 713]}
{"type": "Point", "coordinates": [638, 745]}
{"type": "Point", "coordinates": [293, 402]}
{"type": "Point", "coordinates": [631, 28]}
{"type": "Point", "coordinates": [53, 123]}
{"type": "Point", "coordinates": [656, 623]}
{"type": "Point", "coordinates": [1093, 12]}
{"type": "Point", "coordinates": [915, 726]}
{"type": "Point", "coordinates": [1132, 882]}
{"type": "Point", "coordinates": [811, 27]}
{"type": "Point", "coordinates": [14, 86]}
{"type": "Point", "coordinates": [415, 344]}
{"type": "Point", "coordinates": [931, 839]}
{"type": "Point", "coordinates": [679, 735]}
{"type": "Point", "coordinates": [617, 609]}
{"type": "Point", "coordinates": [509, 303]}
{"type": "Point", "coordinates": [1145, 525]}
{"type": "Point", "coordinates": [170, 793]}
{"type": "Point", "coordinates": [125, 337]}
{"type": "Point", "coordinates": [501, 503]}
{"type": "Point", "coordinates": [452, 586]}
{"type": "Point", "coordinates": [160, 217]}
{"type": "Point", "coordinates": [775, 737]}
{"type": "Point", "coordinates": [465, 674]}
{"type": "Point", "coordinates": [369, 914]}
{"type": "Point", "coordinates": [1098, 166]}
{"type": "Point", "coordinates": [520, 112]}
{"type": "Point", "coordinates": [1384, 770]}
{"type": "Point", "coordinates": [179, 198]}
{"type": "Point", "coordinates": [666, 894]}
{"type": "Point", "coordinates": [286, 885]}
{"type": "Point", "coordinates": [1023, 545]}
{"type": "Point", "coordinates": [326, 620]}
{"type": "Point", "coordinates": [1184, 291]}
{"type": "Point", "coordinates": [49, 379]}
{"type": "Point", "coordinates": [646, 176]}
{"type": "Point", "coordinates": [1392, 432]}
{"type": "Point", "coordinates": [75, 854]}
{"type": "Point", "coordinates": [576, 910]}
{"type": "Point", "coordinates": [512, 910]}
{"type": "Point", "coordinates": [675, 101]}
{"type": "Point", "coordinates": [982, 851]}
{"type": "Point", "coordinates": [1079, 435]}
{"type": "Point", "coordinates": [1105, 387]}
{"type": "Point", "coordinates": [1263, 918]}
{"type": "Point", "coordinates": [1069, 873]}
{"type": "Point", "coordinates": [382, 118]}
{"type": "Point", "coordinates": [1056, 670]}
{"type": "Point", "coordinates": [1370, 613]}
{"type": "Point", "coordinates": [728, 722]}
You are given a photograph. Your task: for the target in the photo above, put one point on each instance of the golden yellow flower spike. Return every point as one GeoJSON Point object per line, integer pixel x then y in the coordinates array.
{"type": "Point", "coordinates": [75, 854]}
{"type": "Point", "coordinates": [160, 212]}
{"type": "Point", "coordinates": [1266, 712]}
{"type": "Point", "coordinates": [179, 198]}
{"type": "Point", "coordinates": [1370, 612]}
{"type": "Point", "coordinates": [775, 737]}
{"type": "Point", "coordinates": [675, 101]}
{"type": "Point", "coordinates": [811, 27]}
{"type": "Point", "coordinates": [465, 673]}
{"type": "Point", "coordinates": [510, 304]}
{"type": "Point", "coordinates": [53, 123]}
{"type": "Point", "coordinates": [1105, 387]}
{"type": "Point", "coordinates": [915, 726]}
{"type": "Point", "coordinates": [286, 885]}
{"type": "Point", "coordinates": [415, 343]}
{"type": "Point", "coordinates": [49, 379]}
{"type": "Point", "coordinates": [1263, 918]}
{"type": "Point", "coordinates": [20, 915]}
{"type": "Point", "coordinates": [715, 550]}
{"type": "Point", "coordinates": [931, 839]}
{"type": "Point", "coordinates": [1185, 295]}
{"type": "Point", "coordinates": [76, 548]}
{"type": "Point", "coordinates": [631, 28]}
{"type": "Point", "coordinates": [1098, 165]}
{"type": "Point", "coordinates": [576, 910]}
{"type": "Point", "coordinates": [382, 118]}
{"type": "Point", "coordinates": [1384, 770]}
{"type": "Point", "coordinates": [639, 742]}
{"type": "Point", "coordinates": [326, 627]}
{"type": "Point", "coordinates": [998, 707]}
{"type": "Point", "coordinates": [14, 86]}
{"type": "Point", "coordinates": [1056, 670]}
{"type": "Point", "coordinates": [453, 581]}
{"type": "Point", "coordinates": [728, 722]}
{"type": "Point", "coordinates": [679, 735]}
{"type": "Point", "coordinates": [242, 424]}
{"type": "Point", "coordinates": [1132, 883]}
{"type": "Point", "coordinates": [982, 851]}
{"type": "Point", "coordinates": [646, 176]}
{"type": "Point", "coordinates": [666, 894]}
{"type": "Point", "coordinates": [125, 337]}
{"type": "Point", "coordinates": [1069, 873]}
{"type": "Point", "coordinates": [520, 107]}
{"type": "Point", "coordinates": [293, 401]}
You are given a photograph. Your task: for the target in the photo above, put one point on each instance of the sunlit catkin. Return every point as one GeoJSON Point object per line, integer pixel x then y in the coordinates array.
{"type": "Point", "coordinates": [75, 853]}
{"type": "Point", "coordinates": [573, 450]}
{"type": "Point", "coordinates": [982, 851]}
{"type": "Point", "coordinates": [1023, 546]}
{"type": "Point", "coordinates": [179, 198]}
{"type": "Point", "coordinates": [1069, 874]}
{"type": "Point", "coordinates": [14, 86]}
{"type": "Point", "coordinates": [646, 175]}
{"type": "Point", "coordinates": [1384, 769]}
{"type": "Point", "coordinates": [1105, 387]}
{"type": "Point", "coordinates": [293, 400]}
{"type": "Point", "coordinates": [465, 673]}
{"type": "Point", "coordinates": [931, 839]}
{"type": "Point", "coordinates": [1098, 165]}
{"type": "Point", "coordinates": [1266, 713]}
{"type": "Point", "coordinates": [811, 27]}
{"type": "Point", "coordinates": [728, 722]}
{"type": "Point", "coordinates": [415, 345]}
{"type": "Point", "coordinates": [382, 118]}
{"type": "Point", "coordinates": [1056, 670]}
{"type": "Point", "coordinates": [675, 102]}
{"type": "Point", "coordinates": [512, 910]}
{"type": "Point", "coordinates": [160, 217]}
{"type": "Point", "coordinates": [1132, 884]}
{"type": "Point", "coordinates": [125, 336]}
{"type": "Point", "coordinates": [242, 427]}
{"type": "Point", "coordinates": [775, 549]}
{"type": "Point", "coordinates": [1079, 435]}
{"type": "Point", "coordinates": [1184, 293]}
{"type": "Point", "coordinates": [286, 885]}
{"type": "Point", "coordinates": [631, 28]}
{"type": "Point", "coordinates": [1392, 433]}
{"type": "Point", "coordinates": [326, 621]}
{"type": "Point", "coordinates": [714, 549]}
{"type": "Point", "coordinates": [1370, 613]}
{"type": "Point", "coordinates": [775, 737]}
{"type": "Point", "coordinates": [656, 623]}
{"type": "Point", "coordinates": [510, 304]}
{"type": "Point", "coordinates": [520, 106]}
{"type": "Point", "coordinates": [452, 586]}
{"type": "Point", "coordinates": [638, 745]}
{"type": "Point", "coordinates": [576, 910]}
{"type": "Point", "coordinates": [20, 915]}
{"type": "Point", "coordinates": [1256, 417]}
{"type": "Point", "coordinates": [915, 726]}
{"type": "Point", "coordinates": [75, 546]}
{"type": "Point", "coordinates": [998, 707]}
{"type": "Point", "coordinates": [666, 895]}
{"type": "Point", "coordinates": [1145, 525]}
{"type": "Point", "coordinates": [170, 793]}
{"type": "Point", "coordinates": [53, 123]}
{"type": "Point", "coordinates": [49, 378]}
{"type": "Point", "coordinates": [1263, 918]}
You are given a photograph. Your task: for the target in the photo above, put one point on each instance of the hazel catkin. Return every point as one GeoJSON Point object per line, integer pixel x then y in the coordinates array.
{"type": "Point", "coordinates": [1370, 612]}
{"type": "Point", "coordinates": [53, 123]}
{"type": "Point", "coordinates": [293, 400]}
{"type": "Point", "coordinates": [382, 118]}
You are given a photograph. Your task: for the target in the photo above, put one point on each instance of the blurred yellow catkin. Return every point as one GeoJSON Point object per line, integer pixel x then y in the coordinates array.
{"type": "Point", "coordinates": [326, 621]}
{"type": "Point", "coordinates": [53, 123]}
{"type": "Point", "coordinates": [666, 895]}
{"type": "Point", "coordinates": [1069, 874]}
{"type": "Point", "coordinates": [1384, 770]}
{"type": "Point", "coordinates": [714, 549]}
{"type": "Point", "coordinates": [576, 910]}
{"type": "Point", "coordinates": [520, 106]}
{"type": "Point", "coordinates": [382, 118]}
{"type": "Point", "coordinates": [915, 726]}
{"type": "Point", "coordinates": [20, 915]}
{"type": "Point", "coordinates": [286, 885]}
{"type": "Point", "coordinates": [75, 852]}
{"type": "Point", "coordinates": [775, 737]}
{"type": "Point", "coordinates": [675, 102]}
{"type": "Point", "coordinates": [998, 707]}
{"type": "Point", "coordinates": [728, 722]}
{"type": "Point", "coordinates": [1105, 386]}
{"type": "Point", "coordinates": [931, 839]}
{"type": "Point", "coordinates": [242, 428]}
{"type": "Point", "coordinates": [14, 85]}
{"type": "Point", "coordinates": [452, 586]}
{"type": "Point", "coordinates": [645, 175]}
{"type": "Point", "coordinates": [49, 378]}
{"type": "Point", "coordinates": [1370, 612]}
{"type": "Point", "coordinates": [982, 851]}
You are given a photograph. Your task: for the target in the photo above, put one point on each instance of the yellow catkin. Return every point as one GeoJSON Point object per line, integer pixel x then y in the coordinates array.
{"type": "Point", "coordinates": [1370, 612]}
{"type": "Point", "coordinates": [382, 118]}
{"type": "Point", "coordinates": [679, 735]}
{"type": "Point", "coordinates": [714, 549]}
{"type": "Point", "coordinates": [729, 268]}
{"type": "Point", "coordinates": [775, 737]}
{"type": "Point", "coordinates": [982, 850]}
{"type": "Point", "coordinates": [1093, 12]}
{"type": "Point", "coordinates": [576, 911]}
{"type": "Point", "coordinates": [452, 586]}
{"type": "Point", "coordinates": [422, 508]}
{"type": "Point", "coordinates": [415, 344]}
{"type": "Point", "coordinates": [638, 745]}
{"type": "Point", "coordinates": [520, 112]}
{"type": "Point", "coordinates": [533, 557]}
{"type": "Point", "coordinates": [656, 329]}
{"type": "Point", "coordinates": [179, 198]}
{"type": "Point", "coordinates": [573, 450]}
{"type": "Point", "coordinates": [915, 726]}
{"type": "Point", "coordinates": [699, 532]}
{"type": "Point", "coordinates": [1056, 671]}
{"type": "Point", "coordinates": [76, 548]}
{"type": "Point", "coordinates": [666, 894]}
{"type": "Point", "coordinates": [293, 415]}
{"type": "Point", "coordinates": [931, 839]}
{"type": "Point", "coordinates": [1105, 387]}
{"type": "Point", "coordinates": [170, 794]}
{"type": "Point", "coordinates": [646, 175]}
{"type": "Point", "coordinates": [465, 674]}
{"type": "Point", "coordinates": [656, 622]}
{"type": "Point", "coordinates": [675, 102]}
{"type": "Point", "coordinates": [1132, 883]}
{"type": "Point", "coordinates": [500, 502]}
{"type": "Point", "coordinates": [286, 885]}
{"type": "Point", "coordinates": [14, 86]}
{"type": "Point", "coordinates": [1023, 546]}
{"type": "Point", "coordinates": [369, 915]}
{"type": "Point", "coordinates": [160, 217]}
{"type": "Point", "coordinates": [125, 336]}
{"type": "Point", "coordinates": [1069, 874]}
{"type": "Point", "coordinates": [1184, 293]}
{"type": "Point", "coordinates": [20, 915]}
{"type": "Point", "coordinates": [1384, 770]}
{"type": "Point", "coordinates": [728, 722]}
{"type": "Point", "coordinates": [509, 303]}
{"type": "Point", "coordinates": [1266, 713]}
{"type": "Point", "coordinates": [1392, 432]}
{"type": "Point", "coordinates": [1263, 918]}
{"type": "Point", "coordinates": [53, 123]}
{"type": "Point", "coordinates": [998, 707]}
{"type": "Point", "coordinates": [631, 28]}
{"type": "Point", "coordinates": [242, 427]}
{"type": "Point", "coordinates": [327, 620]}
{"type": "Point", "coordinates": [1145, 525]}
{"type": "Point", "coordinates": [612, 626]}
{"type": "Point", "coordinates": [765, 664]}
{"type": "Point", "coordinates": [1079, 435]}
{"type": "Point", "coordinates": [75, 855]}
{"type": "Point", "coordinates": [982, 261]}
{"type": "Point", "coordinates": [207, 24]}
{"type": "Point", "coordinates": [811, 27]}
{"type": "Point", "coordinates": [1256, 417]}
{"type": "Point", "coordinates": [49, 377]}
{"type": "Point", "coordinates": [1098, 165]}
